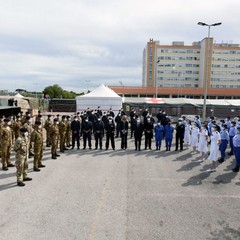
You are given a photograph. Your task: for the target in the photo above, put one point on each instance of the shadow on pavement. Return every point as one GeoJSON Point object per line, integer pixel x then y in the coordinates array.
{"type": "Point", "coordinates": [196, 180]}
{"type": "Point", "coordinates": [7, 175]}
{"type": "Point", "coordinates": [225, 178]}
{"type": "Point", "coordinates": [188, 166]}
{"type": "Point", "coordinates": [224, 232]}
{"type": "Point", "coordinates": [7, 186]}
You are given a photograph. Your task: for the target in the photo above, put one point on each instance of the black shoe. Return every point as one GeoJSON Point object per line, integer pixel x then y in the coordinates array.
{"type": "Point", "coordinates": [95, 148]}
{"type": "Point", "coordinates": [65, 149]}
{"type": "Point", "coordinates": [72, 148]}
{"type": "Point", "coordinates": [61, 151]}
{"type": "Point", "coordinates": [27, 179]}
{"type": "Point", "coordinates": [78, 148]}
{"type": "Point", "coordinates": [54, 157]}
{"type": "Point", "coordinates": [5, 168]}
{"type": "Point", "coordinates": [84, 148]}
{"type": "Point", "coordinates": [57, 155]}
{"type": "Point", "coordinates": [230, 153]}
{"type": "Point", "coordinates": [100, 148]}
{"type": "Point", "coordinates": [31, 155]}
{"type": "Point", "coordinates": [113, 148]}
{"type": "Point", "coordinates": [36, 170]}
{"type": "Point", "coordinates": [10, 165]}
{"type": "Point", "coordinates": [47, 145]}
{"type": "Point", "coordinates": [236, 169]}
{"type": "Point", "coordinates": [21, 184]}
{"type": "Point", "coordinates": [90, 148]}
{"type": "Point", "coordinates": [220, 160]}
{"type": "Point", "coordinates": [41, 166]}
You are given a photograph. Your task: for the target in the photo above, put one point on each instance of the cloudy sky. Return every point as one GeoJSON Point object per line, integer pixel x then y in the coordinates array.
{"type": "Point", "coordinates": [80, 44]}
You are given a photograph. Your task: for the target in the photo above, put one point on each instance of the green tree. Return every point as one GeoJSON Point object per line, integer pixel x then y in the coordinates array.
{"type": "Point", "coordinates": [56, 91]}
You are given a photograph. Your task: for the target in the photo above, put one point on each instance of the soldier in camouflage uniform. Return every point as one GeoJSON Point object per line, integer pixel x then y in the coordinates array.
{"type": "Point", "coordinates": [1, 124]}
{"type": "Point", "coordinates": [17, 124]}
{"type": "Point", "coordinates": [37, 139]}
{"type": "Point", "coordinates": [48, 124]}
{"type": "Point", "coordinates": [69, 132]}
{"type": "Point", "coordinates": [29, 127]}
{"type": "Point", "coordinates": [21, 148]}
{"type": "Point", "coordinates": [62, 133]}
{"type": "Point", "coordinates": [54, 133]}
{"type": "Point", "coordinates": [6, 143]}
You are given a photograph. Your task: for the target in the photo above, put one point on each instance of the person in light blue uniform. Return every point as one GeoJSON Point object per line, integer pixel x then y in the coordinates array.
{"type": "Point", "coordinates": [224, 142]}
{"type": "Point", "coordinates": [168, 136]}
{"type": "Point", "coordinates": [236, 145]}
{"type": "Point", "coordinates": [159, 131]}
{"type": "Point", "coordinates": [228, 123]}
{"type": "Point", "coordinates": [232, 133]}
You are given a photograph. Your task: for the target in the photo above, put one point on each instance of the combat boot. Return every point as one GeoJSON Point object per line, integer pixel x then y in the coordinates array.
{"type": "Point", "coordinates": [41, 166]}
{"type": "Point", "coordinates": [27, 179]}
{"type": "Point", "coordinates": [57, 155]}
{"type": "Point", "coordinates": [54, 157]}
{"type": "Point", "coordinates": [21, 184]}
{"type": "Point", "coordinates": [36, 170]}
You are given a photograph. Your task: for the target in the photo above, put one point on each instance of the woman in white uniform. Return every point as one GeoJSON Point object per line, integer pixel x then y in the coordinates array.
{"type": "Point", "coordinates": [194, 138]}
{"type": "Point", "coordinates": [214, 148]}
{"type": "Point", "coordinates": [203, 141]}
{"type": "Point", "coordinates": [187, 132]}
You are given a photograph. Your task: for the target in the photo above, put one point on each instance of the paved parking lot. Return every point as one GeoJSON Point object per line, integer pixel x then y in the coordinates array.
{"type": "Point", "coordinates": [122, 195]}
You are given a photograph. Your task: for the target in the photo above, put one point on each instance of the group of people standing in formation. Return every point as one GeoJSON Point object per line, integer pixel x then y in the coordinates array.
{"type": "Point", "coordinates": [63, 132]}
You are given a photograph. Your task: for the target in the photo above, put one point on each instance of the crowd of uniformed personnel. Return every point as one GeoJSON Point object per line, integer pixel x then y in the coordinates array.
{"type": "Point", "coordinates": [63, 132]}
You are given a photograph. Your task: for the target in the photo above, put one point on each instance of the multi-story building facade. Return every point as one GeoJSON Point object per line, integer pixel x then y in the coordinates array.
{"type": "Point", "coordinates": [190, 66]}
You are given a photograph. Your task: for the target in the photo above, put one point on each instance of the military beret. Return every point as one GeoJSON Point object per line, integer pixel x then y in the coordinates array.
{"type": "Point", "coordinates": [23, 130]}
{"type": "Point", "coordinates": [49, 115]}
{"type": "Point", "coordinates": [55, 119]}
{"type": "Point", "coordinates": [6, 120]}
{"type": "Point", "coordinates": [63, 117]}
{"type": "Point", "coordinates": [28, 118]}
{"type": "Point", "coordinates": [38, 123]}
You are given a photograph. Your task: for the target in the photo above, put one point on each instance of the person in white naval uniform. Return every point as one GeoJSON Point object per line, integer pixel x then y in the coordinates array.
{"type": "Point", "coordinates": [214, 148]}
{"type": "Point", "coordinates": [194, 138]}
{"type": "Point", "coordinates": [203, 142]}
{"type": "Point", "coordinates": [187, 137]}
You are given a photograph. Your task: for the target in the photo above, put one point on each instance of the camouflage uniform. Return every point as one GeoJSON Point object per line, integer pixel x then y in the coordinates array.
{"type": "Point", "coordinates": [54, 140]}
{"type": "Point", "coordinates": [37, 139]}
{"type": "Point", "coordinates": [1, 125]}
{"type": "Point", "coordinates": [16, 127]}
{"type": "Point", "coordinates": [30, 129]}
{"type": "Point", "coordinates": [6, 143]}
{"type": "Point", "coordinates": [68, 133]}
{"type": "Point", "coordinates": [48, 124]}
{"type": "Point", "coordinates": [62, 133]}
{"type": "Point", "coordinates": [21, 148]}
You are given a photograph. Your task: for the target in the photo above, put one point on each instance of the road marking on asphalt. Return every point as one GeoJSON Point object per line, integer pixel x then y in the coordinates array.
{"type": "Point", "coordinates": [98, 211]}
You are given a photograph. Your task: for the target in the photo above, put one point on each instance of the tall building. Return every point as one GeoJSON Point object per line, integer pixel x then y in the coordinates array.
{"type": "Point", "coordinates": [183, 66]}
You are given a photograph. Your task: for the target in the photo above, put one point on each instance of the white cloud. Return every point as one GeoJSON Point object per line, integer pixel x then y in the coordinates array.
{"type": "Point", "coordinates": [82, 43]}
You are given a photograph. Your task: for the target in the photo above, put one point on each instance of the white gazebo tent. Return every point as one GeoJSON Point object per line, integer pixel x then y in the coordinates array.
{"type": "Point", "coordinates": [103, 97]}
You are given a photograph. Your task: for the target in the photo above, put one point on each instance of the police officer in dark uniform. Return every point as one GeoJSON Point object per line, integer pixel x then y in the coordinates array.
{"type": "Point", "coordinates": [118, 120]}
{"type": "Point", "coordinates": [180, 129]}
{"type": "Point", "coordinates": [138, 132]}
{"type": "Point", "coordinates": [87, 133]}
{"type": "Point", "coordinates": [110, 129]}
{"type": "Point", "coordinates": [75, 127]}
{"type": "Point", "coordinates": [148, 129]}
{"type": "Point", "coordinates": [124, 132]}
{"type": "Point", "coordinates": [98, 131]}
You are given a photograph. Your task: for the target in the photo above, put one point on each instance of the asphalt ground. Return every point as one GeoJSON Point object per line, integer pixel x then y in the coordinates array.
{"type": "Point", "coordinates": [122, 195]}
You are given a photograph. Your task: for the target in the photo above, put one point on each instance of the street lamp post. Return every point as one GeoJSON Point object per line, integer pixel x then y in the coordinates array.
{"type": "Point", "coordinates": [207, 70]}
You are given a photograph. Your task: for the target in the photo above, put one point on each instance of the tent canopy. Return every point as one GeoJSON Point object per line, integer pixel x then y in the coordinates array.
{"type": "Point", "coordinates": [101, 96]}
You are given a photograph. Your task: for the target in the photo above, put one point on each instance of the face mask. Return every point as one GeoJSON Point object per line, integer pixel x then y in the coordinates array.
{"type": "Point", "coordinates": [57, 123]}
{"type": "Point", "coordinates": [179, 122]}
{"type": "Point", "coordinates": [75, 119]}
{"type": "Point", "coordinates": [40, 127]}
{"type": "Point", "coordinates": [26, 134]}
{"type": "Point", "coordinates": [110, 121]}
{"type": "Point", "coordinates": [99, 119]}
{"type": "Point", "coordinates": [158, 124]}
{"type": "Point", "coordinates": [148, 120]}
{"type": "Point", "coordinates": [9, 123]}
{"type": "Point", "coordinates": [138, 121]}
{"type": "Point", "coordinates": [202, 128]}
{"type": "Point", "coordinates": [86, 120]}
